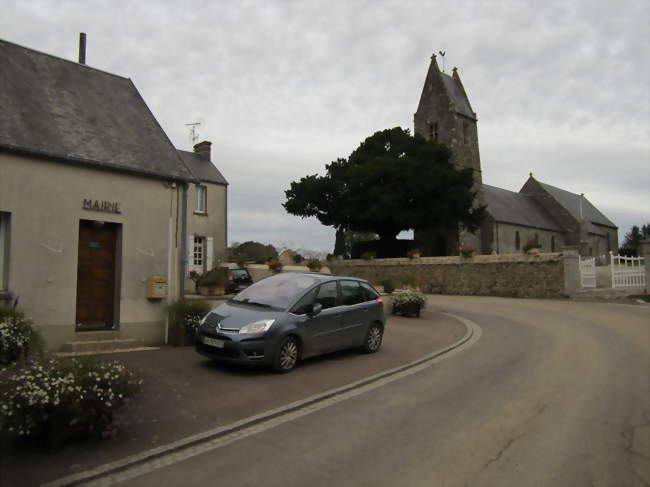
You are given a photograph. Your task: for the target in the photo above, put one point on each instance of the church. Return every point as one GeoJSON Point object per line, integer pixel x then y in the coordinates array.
{"type": "Point", "coordinates": [539, 214]}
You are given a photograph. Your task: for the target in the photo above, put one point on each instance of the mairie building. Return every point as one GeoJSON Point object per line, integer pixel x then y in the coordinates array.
{"type": "Point", "coordinates": [101, 217]}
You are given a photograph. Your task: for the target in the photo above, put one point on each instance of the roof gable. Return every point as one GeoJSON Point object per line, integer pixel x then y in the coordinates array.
{"type": "Point", "coordinates": [203, 170]}
{"type": "Point", "coordinates": [517, 208]}
{"type": "Point", "coordinates": [575, 203]}
{"type": "Point", "coordinates": [61, 109]}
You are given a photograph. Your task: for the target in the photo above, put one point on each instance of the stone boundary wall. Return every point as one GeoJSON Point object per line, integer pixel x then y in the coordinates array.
{"type": "Point", "coordinates": [517, 275]}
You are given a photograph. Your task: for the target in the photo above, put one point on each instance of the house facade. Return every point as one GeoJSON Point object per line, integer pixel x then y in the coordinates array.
{"type": "Point", "coordinates": [541, 213]}
{"type": "Point", "coordinates": [95, 202]}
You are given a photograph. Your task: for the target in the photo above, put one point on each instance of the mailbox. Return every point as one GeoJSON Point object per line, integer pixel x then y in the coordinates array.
{"type": "Point", "coordinates": [156, 287]}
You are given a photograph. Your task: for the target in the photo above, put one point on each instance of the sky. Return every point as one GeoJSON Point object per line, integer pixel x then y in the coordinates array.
{"type": "Point", "coordinates": [282, 88]}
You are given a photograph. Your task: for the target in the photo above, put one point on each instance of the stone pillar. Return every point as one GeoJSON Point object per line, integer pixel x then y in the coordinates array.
{"type": "Point", "coordinates": [570, 257]}
{"type": "Point", "coordinates": [644, 252]}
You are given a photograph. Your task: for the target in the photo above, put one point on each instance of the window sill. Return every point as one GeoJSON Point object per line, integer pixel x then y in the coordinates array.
{"type": "Point", "coordinates": [201, 213]}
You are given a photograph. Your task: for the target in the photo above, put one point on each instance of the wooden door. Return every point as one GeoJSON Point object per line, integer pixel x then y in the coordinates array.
{"type": "Point", "coordinates": [96, 275]}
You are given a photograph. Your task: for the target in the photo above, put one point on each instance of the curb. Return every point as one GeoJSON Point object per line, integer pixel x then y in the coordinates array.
{"type": "Point", "coordinates": [155, 458]}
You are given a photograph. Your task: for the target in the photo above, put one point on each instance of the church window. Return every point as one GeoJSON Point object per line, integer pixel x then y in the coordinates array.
{"type": "Point", "coordinates": [435, 131]}
{"type": "Point", "coordinates": [517, 241]}
{"type": "Point", "coordinates": [553, 243]}
{"type": "Point", "coordinates": [465, 133]}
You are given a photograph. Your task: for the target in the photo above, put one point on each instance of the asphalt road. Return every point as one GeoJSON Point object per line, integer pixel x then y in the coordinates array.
{"type": "Point", "coordinates": [555, 393]}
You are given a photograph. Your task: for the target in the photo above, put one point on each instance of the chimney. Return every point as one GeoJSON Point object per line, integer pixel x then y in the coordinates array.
{"type": "Point", "coordinates": [82, 48]}
{"type": "Point", "coordinates": [203, 150]}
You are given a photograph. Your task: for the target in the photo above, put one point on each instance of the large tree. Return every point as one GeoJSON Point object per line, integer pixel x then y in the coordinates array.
{"type": "Point", "coordinates": [633, 238]}
{"type": "Point", "coordinates": [392, 182]}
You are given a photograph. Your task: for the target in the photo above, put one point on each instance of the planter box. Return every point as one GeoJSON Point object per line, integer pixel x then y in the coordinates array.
{"type": "Point", "coordinates": [411, 309]}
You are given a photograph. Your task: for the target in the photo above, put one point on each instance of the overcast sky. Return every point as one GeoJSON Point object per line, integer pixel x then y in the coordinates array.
{"type": "Point", "coordinates": [282, 88]}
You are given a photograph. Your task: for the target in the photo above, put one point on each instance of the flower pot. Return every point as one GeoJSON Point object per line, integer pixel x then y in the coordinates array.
{"type": "Point", "coordinates": [211, 290]}
{"type": "Point", "coordinates": [534, 250]}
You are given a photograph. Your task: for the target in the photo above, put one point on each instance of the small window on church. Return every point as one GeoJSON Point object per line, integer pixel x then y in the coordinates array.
{"type": "Point", "coordinates": [435, 131]}
{"type": "Point", "coordinates": [465, 132]}
{"type": "Point", "coordinates": [553, 243]}
{"type": "Point", "coordinates": [517, 241]}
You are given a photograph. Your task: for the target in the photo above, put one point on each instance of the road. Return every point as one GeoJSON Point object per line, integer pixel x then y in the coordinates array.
{"type": "Point", "coordinates": [555, 393]}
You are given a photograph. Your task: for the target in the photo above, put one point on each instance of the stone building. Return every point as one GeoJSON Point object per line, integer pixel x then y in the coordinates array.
{"type": "Point", "coordinates": [540, 212]}
{"type": "Point", "coordinates": [96, 204]}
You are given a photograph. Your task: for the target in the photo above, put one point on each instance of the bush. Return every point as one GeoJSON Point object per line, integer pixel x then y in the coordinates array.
{"type": "Point", "coordinates": [297, 259]}
{"type": "Point", "coordinates": [413, 253]}
{"type": "Point", "coordinates": [18, 338]}
{"type": "Point", "coordinates": [467, 251]}
{"type": "Point", "coordinates": [368, 255]}
{"type": "Point", "coordinates": [314, 265]}
{"type": "Point", "coordinates": [530, 244]}
{"type": "Point", "coordinates": [275, 265]}
{"type": "Point", "coordinates": [408, 302]}
{"type": "Point", "coordinates": [185, 314]}
{"type": "Point", "coordinates": [85, 393]}
{"type": "Point", "coordinates": [389, 287]}
{"type": "Point", "coordinates": [217, 277]}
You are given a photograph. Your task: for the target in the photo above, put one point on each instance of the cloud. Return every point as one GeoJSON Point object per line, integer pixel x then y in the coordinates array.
{"type": "Point", "coordinates": [281, 88]}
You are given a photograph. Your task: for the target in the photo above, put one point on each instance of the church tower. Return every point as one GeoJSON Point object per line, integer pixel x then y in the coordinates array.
{"type": "Point", "coordinates": [445, 115]}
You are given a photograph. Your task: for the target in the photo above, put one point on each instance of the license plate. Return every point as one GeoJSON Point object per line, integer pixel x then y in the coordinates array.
{"type": "Point", "coordinates": [213, 342]}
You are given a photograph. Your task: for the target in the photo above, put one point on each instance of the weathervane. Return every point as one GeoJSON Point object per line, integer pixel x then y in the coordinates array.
{"type": "Point", "coordinates": [194, 133]}
{"type": "Point", "coordinates": [442, 55]}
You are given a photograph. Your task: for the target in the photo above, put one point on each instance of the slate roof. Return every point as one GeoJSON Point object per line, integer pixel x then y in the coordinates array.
{"type": "Point", "coordinates": [55, 108]}
{"type": "Point", "coordinates": [571, 202]}
{"type": "Point", "coordinates": [517, 208]}
{"type": "Point", "coordinates": [457, 95]}
{"type": "Point", "coordinates": [204, 170]}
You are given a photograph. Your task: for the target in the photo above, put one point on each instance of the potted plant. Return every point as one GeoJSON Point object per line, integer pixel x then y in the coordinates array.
{"type": "Point", "coordinates": [275, 265]}
{"type": "Point", "coordinates": [413, 254]}
{"type": "Point", "coordinates": [213, 283]}
{"type": "Point", "coordinates": [314, 265]}
{"type": "Point", "coordinates": [368, 255]}
{"type": "Point", "coordinates": [184, 318]}
{"type": "Point", "coordinates": [532, 246]}
{"type": "Point", "coordinates": [408, 303]}
{"type": "Point", "coordinates": [467, 251]}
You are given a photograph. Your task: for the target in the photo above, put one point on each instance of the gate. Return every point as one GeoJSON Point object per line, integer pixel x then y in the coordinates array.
{"type": "Point", "coordinates": [627, 271]}
{"type": "Point", "coordinates": [587, 271]}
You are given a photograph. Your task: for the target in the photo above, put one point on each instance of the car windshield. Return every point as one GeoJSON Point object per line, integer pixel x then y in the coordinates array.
{"type": "Point", "coordinates": [277, 291]}
{"type": "Point", "coordinates": [239, 273]}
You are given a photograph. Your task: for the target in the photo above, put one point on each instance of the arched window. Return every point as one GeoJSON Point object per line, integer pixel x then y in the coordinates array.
{"type": "Point", "coordinates": [553, 243]}
{"type": "Point", "coordinates": [517, 241]}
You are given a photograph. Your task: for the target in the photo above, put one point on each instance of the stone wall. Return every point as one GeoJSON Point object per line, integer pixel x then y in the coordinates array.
{"type": "Point", "coordinates": [521, 276]}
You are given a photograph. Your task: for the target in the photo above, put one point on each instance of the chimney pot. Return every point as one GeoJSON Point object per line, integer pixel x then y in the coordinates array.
{"type": "Point", "coordinates": [203, 150]}
{"type": "Point", "coordinates": [82, 48]}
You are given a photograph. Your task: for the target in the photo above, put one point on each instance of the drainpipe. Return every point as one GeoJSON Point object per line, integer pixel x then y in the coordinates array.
{"type": "Point", "coordinates": [184, 248]}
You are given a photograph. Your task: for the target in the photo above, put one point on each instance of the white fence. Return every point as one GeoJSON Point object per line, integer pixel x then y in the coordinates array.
{"type": "Point", "coordinates": [627, 271]}
{"type": "Point", "coordinates": [587, 271]}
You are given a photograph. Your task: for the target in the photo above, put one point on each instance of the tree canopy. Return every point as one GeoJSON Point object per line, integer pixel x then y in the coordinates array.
{"type": "Point", "coordinates": [633, 238]}
{"type": "Point", "coordinates": [251, 252]}
{"type": "Point", "coordinates": [392, 182]}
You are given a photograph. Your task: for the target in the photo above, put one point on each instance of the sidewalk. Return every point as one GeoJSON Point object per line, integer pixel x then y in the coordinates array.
{"type": "Point", "coordinates": [184, 393]}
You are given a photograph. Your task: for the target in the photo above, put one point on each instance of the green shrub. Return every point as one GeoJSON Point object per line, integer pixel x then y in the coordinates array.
{"type": "Point", "coordinates": [389, 287]}
{"type": "Point", "coordinates": [314, 265]}
{"type": "Point", "coordinates": [18, 337]}
{"type": "Point", "coordinates": [368, 255]}
{"type": "Point", "coordinates": [408, 297]}
{"type": "Point", "coordinates": [297, 259]}
{"type": "Point", "coordinates": [85, 393]}
{"type": "Point", "coordinates": [214, 278]}
{"type": "Point", "coordinates": [186, 314]}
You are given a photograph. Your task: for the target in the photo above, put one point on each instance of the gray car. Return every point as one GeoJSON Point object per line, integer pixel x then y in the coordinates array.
{"type": "Point", "coordinates": [291, 316]}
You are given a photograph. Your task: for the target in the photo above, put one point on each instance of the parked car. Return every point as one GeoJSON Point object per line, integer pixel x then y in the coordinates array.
{"type": "Point", "coordinates": [238, 280]}
{"type": "Point", "coordinates": [287, 317]}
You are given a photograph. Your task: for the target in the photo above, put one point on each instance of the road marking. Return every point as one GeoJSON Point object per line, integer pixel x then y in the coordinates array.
{"type": "Point", "coordinates": [164, 456]}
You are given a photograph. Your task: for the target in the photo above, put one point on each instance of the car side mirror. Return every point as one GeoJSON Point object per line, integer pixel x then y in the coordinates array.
{"type": "Point", "coordinates": [316, 309]}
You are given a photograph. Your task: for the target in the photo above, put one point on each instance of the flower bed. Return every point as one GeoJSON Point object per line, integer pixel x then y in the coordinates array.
{"type": "Point", "coordinates": [80, 396]}
{"type": "Point", "coordinates": [408, 303]}
{"type": "Point", "coordinates": [18, 338]}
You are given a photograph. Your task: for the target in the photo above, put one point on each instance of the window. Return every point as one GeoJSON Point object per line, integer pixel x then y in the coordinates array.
{"type": "Point", "coordinates": [305, 304]}
{"type": "Point", "coordinates": [4, 219]}
{"type": "Point", "coordinates": [517, 241]}
{"type": "Point", "coordinates": [370, 293]}
{"type": "Point", "coordinates": [351, 293]}
{"type": "Point", "coordinates": [327, 295]}
{"type": "Point", "coordinates": [198, 251]}
{"type": "Point", "coordinates": [201, 199]}
{"type": "Point", "coordinates": [553, 243]}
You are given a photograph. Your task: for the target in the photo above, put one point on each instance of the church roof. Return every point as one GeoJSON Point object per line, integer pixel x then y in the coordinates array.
{"type": "Point", "coordinates": [63, 110]}
{"type": "Point", "coordinates": [571, 202]}
{"type": "Point", "coordinates": [457, 95]}
{"type": "Point", "coordinates": [517, 208]}
{"type": "Point", "coordinates": [204, 170]}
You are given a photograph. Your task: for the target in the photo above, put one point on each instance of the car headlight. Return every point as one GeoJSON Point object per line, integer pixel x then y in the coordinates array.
{"type": "Point", "coordinates": [261, 326]}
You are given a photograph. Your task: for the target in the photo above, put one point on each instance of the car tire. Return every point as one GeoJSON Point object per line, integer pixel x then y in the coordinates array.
{"type": "Point", "coordinates": [286, 356]}
{"type": "Point", "coordinates": [373, 338]}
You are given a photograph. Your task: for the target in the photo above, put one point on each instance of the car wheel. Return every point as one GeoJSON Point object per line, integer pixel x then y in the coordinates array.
{"type": "Point", "coordinates": [373, 338]}
{"type": "Point", "coordinates": [286, 357]}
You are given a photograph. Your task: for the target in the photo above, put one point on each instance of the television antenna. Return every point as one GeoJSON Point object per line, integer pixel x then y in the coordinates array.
{"type": "Point", "coordinates": [194, 133]}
